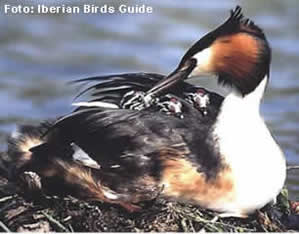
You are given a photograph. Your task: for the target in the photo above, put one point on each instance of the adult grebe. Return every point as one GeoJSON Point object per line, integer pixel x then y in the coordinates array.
{"type": "Point", "coordinates": [225, 160]}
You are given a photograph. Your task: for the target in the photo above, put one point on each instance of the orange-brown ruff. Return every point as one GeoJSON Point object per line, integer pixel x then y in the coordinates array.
{"type": "Point", "coordinates": [235, 54]}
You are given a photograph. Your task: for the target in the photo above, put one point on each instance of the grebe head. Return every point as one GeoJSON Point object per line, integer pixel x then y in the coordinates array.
{"type": "Point", "coordinates": [237, 52]}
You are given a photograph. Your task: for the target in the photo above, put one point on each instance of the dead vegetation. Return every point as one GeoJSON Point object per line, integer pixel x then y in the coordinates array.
{"type": "Point", "coordinates": [20, 211]}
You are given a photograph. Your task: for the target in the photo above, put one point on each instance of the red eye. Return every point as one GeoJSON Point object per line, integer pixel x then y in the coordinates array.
{"type": "Point", "coordinates": [200, 91]}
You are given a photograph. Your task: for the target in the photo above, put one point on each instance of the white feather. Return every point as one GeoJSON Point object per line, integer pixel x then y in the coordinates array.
{"type": "Point", "coordinates": [110, 195]}
{"type": "Point", "coordinates": [203, 63]}
{"type": "Point", "coordinates": [258, 164]}
{"type": "Point", "coordinates": [96, 104]}
{"type": "Point", "coordinates": [83, 158]}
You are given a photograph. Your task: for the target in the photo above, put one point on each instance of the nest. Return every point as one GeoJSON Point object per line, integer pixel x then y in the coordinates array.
{"type": "Point", "coordinates": [21, 211]}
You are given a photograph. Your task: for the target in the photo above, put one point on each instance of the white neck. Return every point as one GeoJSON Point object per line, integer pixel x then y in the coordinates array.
{"type": "Point", "coordinates": [247, 147]}
{"type": "Point", "coordinates": [250, 102]}
{"type": "Point", "coordinates": [240, 111]}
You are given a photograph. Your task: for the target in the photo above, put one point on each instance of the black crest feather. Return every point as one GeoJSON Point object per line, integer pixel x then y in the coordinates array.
{"type": "Point", "coordinates": [240, 23]}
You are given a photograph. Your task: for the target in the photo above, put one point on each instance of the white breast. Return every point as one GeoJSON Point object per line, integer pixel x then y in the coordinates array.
{"type": "Point", "coordinates": [258, 164]}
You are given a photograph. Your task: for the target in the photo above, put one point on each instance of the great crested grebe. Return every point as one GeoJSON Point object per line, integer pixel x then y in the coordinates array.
{"type": "Point", "coordinates": [222, 158]}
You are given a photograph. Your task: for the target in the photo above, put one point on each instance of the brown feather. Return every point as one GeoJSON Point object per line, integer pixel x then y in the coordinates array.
{"type": "Point", "coordinates": [236, 55]}
{"type": "Point", "coordinates": [184, 181]}
{"type": "Point", "coordinates": [86, 183]}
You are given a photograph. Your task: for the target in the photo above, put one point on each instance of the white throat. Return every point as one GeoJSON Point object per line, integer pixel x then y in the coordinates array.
{"type": "Point", "coordinates": [249, 103]}
{"type": "Point", "coordinates": [246, 145]}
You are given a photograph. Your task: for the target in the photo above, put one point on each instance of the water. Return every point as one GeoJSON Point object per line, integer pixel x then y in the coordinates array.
{"type": "Point", "coordinates": [41, 53]}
